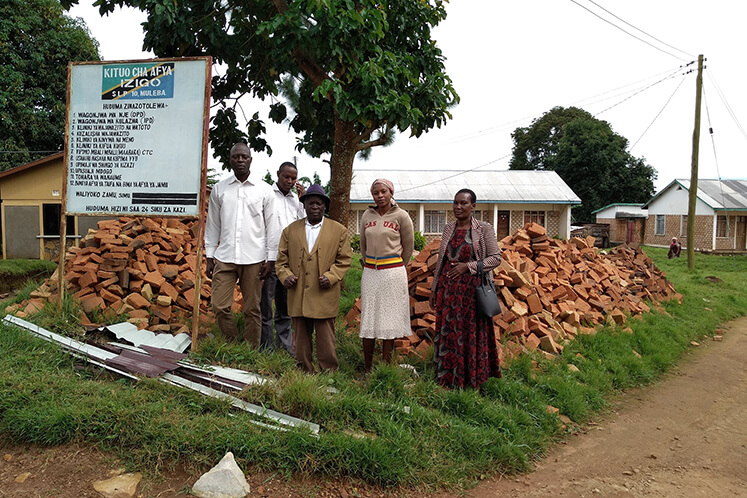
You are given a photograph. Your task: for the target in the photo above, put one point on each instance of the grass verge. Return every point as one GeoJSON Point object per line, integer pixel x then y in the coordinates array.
{"type": "Point", "coordinates": [391, 428]}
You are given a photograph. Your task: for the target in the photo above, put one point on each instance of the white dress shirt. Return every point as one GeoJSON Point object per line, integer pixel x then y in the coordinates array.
{"type": "Point", "coordinates": [242, 227]}
{"type": "Point", "coordinates": [287, 207]}
{"type": "Point", "coordinates": [312, 233]}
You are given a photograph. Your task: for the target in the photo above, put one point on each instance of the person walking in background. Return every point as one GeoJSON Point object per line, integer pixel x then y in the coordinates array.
{"type": "Point", "coordinates": [387, 239]}
{"type": "Point", "coordinates": [465, 353]}
{"type": "Point", "coordinates": [313, 256]}
{"type": "Point", "coordinates": [241, 239]}
{"type": "Point", "coordinates": [288, 209]}
{"type": "Point", "coordinates": [674, 249]}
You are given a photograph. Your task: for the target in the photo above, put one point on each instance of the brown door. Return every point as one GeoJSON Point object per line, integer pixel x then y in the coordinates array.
{"type": "Point", "coordinates": [741, 232]}
{"type": "Point", "coordinates": [502, 224]}
{"type": "Point", "coordinates": [630, 232]}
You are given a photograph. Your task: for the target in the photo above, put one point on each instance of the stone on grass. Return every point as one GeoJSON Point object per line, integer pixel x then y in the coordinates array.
{"type": "Point", "coordinates": [225, 480]}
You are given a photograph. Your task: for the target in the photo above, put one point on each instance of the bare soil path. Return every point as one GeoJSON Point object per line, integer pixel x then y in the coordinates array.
{"type": "Point", "coordinates": [686, 436]}
{"type": "Point", "coordinates": [683, 437]}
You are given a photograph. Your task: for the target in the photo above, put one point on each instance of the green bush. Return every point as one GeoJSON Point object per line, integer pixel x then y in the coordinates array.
{"type": "Point", "coordinates": [355, 243]}
{"type": "Point", "coordinates": [419, 241]}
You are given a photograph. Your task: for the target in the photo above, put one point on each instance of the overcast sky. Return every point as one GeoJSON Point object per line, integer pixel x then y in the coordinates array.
{"type": "Point", "coordinates": [512, 61]}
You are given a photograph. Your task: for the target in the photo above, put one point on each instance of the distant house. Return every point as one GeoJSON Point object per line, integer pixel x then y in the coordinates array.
{"type": "Point", "coordinates": [720, 215]}
{"type": "Point", "coordinates": [505, 199]}
{"type": "Point", "coordinates": [627, 222]}
{"type": "Point", "coordinates": [31, 210]}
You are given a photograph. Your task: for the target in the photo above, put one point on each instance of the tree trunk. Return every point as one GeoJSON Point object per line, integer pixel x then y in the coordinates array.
{"type": "Point", "coordinates": [341, 165]}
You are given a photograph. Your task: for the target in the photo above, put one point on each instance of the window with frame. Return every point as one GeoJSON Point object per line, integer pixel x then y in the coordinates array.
{"type": "Point", "coordinates": [434, 221]}
{"type": "Point", "coordinates": [721, 227]}
{"type": "Point", "coordinates": [660, 224]}
{"type": "Point", "coordinates": [51, 215]}
{"type": "Point", "coordinates": [537, 217]}
{"type": "Point", "coordinates": [683, 225]}
{"type": "Point", "coordinates": [477, 215]}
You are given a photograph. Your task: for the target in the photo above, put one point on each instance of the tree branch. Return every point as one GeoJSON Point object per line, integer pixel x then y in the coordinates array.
{"type": "Point", "coordinates": [308, 65]}
{"type": "Point", "coordinates": [383, 138]}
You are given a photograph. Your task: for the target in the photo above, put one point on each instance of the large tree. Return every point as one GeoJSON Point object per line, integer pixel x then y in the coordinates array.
{"type": "Point", "coordinates": [36, 43]}
{"type": "Point", "coordinates": [363, 69]}
{"type": "Point", "coordinates": [591, 158]}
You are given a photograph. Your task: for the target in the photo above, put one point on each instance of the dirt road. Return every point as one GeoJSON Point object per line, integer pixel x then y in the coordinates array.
{"type": "Point", "coordinates": [684, 437]}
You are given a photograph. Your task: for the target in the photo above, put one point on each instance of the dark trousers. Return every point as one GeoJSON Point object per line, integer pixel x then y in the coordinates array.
{"type": "Point", "coordinates": [273, 289]}
{"type": "Point", "coordinates": [303, 335]}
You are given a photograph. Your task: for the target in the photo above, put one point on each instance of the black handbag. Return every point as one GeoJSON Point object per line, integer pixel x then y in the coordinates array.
{"type": "Point", "coordinates": [485, 296]}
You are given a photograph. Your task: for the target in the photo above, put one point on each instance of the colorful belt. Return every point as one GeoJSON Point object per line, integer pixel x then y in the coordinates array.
{"type": "Point", "coordinates": [383, 262]}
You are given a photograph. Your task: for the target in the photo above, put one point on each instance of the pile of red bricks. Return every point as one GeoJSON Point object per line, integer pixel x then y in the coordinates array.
{"type": "Point", "coordinates": [550, 291]}
{"type": "Point", "coordinates": [142, 267]}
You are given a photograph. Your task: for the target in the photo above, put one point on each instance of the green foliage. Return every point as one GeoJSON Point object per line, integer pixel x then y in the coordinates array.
{"type": "Point", "coordinates": [355, 242]}
{"type": "Point", "coordinates": [585, 152]}
{"type": "Point", "coordinates": [213, 177]}
{"type": "Point", "coordinates": [419, 241]}
{"type": "Point", "coordinates": [36, 43]}
{"type": "Point", "coordinates": [268, 178]}
{"type": "Point", "coordinates": [392, 428]}
{"type": "Point", "coordinates": [352, 71]}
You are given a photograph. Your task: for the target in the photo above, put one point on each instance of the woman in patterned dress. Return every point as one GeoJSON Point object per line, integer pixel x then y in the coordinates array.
{"type": "Point", "coordinates": [387, 240]}
{"type": "Point", "coordinates": [465, 352]}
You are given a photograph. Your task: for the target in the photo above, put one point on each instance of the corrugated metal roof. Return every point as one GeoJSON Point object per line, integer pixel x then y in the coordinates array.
{"type": "Point", "coordinates": [490, 186]}
{"type": "Point", "coordinates": [634, 204]}
{"type": "Point", "coordinates": [719, 194]}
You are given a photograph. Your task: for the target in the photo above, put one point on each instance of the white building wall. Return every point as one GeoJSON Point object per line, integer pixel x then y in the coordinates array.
{"type": "Point", "coordinates": [675, 201]}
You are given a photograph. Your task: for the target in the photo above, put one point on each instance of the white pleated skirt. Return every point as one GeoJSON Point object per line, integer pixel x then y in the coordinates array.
{"type": "Point", "coordinates": [385, 304]}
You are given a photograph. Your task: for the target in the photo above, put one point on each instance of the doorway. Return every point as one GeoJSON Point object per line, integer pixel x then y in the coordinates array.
{"type": "Point", "coordinates": [630, 232]}
{"type": "Point", "coordinates": [741, 233]}
{"type": "Point", "coordinates": [502, 224]}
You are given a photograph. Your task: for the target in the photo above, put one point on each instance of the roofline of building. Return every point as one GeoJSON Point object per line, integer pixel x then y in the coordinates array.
{"type": "Point", "coordinates": [645, 206]}
{"type": "Point", "coordinates": [481, 201]}
{"type": "Point", "coordinates": [639, 204]}
{"type": "Point", "coordinates": [678, 182]}
{"type": "Point", "coordinates": [38, 162]}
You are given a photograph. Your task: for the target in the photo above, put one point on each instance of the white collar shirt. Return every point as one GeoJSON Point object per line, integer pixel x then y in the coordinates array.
{"type": "Point", "coordinates": [287, 207]}
{"type": "Point", "coordinates": [242, 227]}
{"type": "Point", "coordinates": [312, 233]}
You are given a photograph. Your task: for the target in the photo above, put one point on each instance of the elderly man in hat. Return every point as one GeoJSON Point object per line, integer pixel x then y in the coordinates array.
{"type": "Point", "coordinates": [313, 256]}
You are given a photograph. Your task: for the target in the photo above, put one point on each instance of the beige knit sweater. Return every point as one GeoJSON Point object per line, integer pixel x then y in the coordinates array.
{"type": "Point", "coordinates": [388, 235]}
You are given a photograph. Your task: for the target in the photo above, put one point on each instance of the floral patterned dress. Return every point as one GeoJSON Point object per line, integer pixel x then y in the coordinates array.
{"type": "Point", "coordinates": [465, 351]}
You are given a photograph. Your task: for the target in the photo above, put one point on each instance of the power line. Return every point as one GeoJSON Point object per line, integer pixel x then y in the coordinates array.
{"type": "Point", "coordinates": [640, 30]}
{"type": "Point", "coordinates": [627, 32]}
{"type": "Point", "coordinates": [718, 173]}
{"type": "Point", "coordinates": [494, 129]}
{"type": "Point", "coordinates": [637, 93]}
{"type": "Point", "coordinates": [637, 90]}
{"type": "Point", "coordinates": [725, 102]}
{"type": "Point", "coordinates": [459, 173]}
{"type": "Point", "coordinates": [658, 114]}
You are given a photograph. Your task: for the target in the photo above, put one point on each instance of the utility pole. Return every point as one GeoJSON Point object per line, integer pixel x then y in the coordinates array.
{"type": "Point", "coordinates": [694, 170]}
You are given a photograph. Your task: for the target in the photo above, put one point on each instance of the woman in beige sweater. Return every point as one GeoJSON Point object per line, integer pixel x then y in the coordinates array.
{"type": "Point", "coordinates": [387, 239]}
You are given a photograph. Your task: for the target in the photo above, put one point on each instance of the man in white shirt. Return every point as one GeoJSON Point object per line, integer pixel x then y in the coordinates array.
{"type": "Point", "coordinates": [288, 209]}
{"type": "Point", "coordinates": [241, 240]}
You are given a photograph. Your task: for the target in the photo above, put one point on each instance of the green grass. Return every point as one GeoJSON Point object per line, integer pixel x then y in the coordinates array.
{"type": "Point", "coordinates": [15, 267]}
{"type": "Point", "coordinates": [391, 428]}
{"type": "Point", "coordinates": [352, 286]}
{"type": "Point", "coordinates": [15, 271]}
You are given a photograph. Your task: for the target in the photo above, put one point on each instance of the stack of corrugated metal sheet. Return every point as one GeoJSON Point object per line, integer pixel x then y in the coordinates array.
{"type": "Point", "coordinates": [161, 356]}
